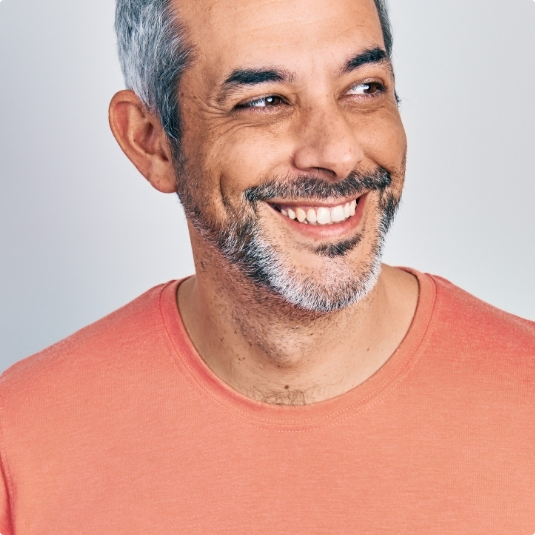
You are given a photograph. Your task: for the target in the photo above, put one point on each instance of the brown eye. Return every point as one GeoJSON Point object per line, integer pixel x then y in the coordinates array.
{"type": "Point", "coordinates": [374, 87]}
{"type": "Point", "coordinates": [264, 102]}
{"type": "Point", "coordinates": [273, 101]}
{"type": "Point", "coordinates": [369, 88]}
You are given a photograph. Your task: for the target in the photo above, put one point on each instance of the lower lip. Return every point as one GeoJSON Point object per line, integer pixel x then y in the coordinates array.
{"type": "Point", "coordinates": [333, 231]}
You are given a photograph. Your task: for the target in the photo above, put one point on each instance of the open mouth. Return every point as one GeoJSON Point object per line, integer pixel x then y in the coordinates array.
{"type": "Point", "coordinates": [318, 215]}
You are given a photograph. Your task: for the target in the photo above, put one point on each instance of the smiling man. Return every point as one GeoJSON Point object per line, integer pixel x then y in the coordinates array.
{"type": "Point", "coordinates": [294, 384]}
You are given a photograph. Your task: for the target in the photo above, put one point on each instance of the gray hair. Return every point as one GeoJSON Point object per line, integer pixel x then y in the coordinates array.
{"type": "Point", "coordinates": [153, 53]}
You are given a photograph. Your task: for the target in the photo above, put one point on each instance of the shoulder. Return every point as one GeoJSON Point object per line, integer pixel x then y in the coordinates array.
{"type": "Point", "coordinates": [485, 339]}
{"type": "Point", "coordinates": [91, 393]}
{"type": "Point", "coordinates": [467, 314]}
{"type": "Point", "coordinates": [112, 343]}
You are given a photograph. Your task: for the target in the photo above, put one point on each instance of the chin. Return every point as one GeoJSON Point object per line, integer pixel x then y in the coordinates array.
{"type": "Point", "coordinates": [337, 281]}
{"type": "Point", "coordinates": [330, 290]}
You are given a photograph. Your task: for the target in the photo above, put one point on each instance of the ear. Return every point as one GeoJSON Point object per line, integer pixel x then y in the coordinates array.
{"type": "Point", "coordinates": [141, 136]}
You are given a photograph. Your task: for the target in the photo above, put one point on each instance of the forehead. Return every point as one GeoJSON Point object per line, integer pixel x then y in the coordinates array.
{"type": "Point", "coordinates": [248, 32]}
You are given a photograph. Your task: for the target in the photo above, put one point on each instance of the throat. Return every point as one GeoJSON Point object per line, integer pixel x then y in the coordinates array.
{"type": "Point", "coordinates": [291, 360]}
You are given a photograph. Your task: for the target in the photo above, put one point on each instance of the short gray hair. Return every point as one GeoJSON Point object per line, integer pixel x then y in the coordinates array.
{"type": "Point", "coordinates": [153, 53]}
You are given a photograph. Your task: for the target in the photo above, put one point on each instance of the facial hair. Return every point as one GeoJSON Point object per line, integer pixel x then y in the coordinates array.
{"type": "Point", "coordinates": [243, 243]}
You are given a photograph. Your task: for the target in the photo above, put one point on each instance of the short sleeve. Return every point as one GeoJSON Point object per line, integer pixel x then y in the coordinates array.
{"type": "Point", "coordinates": [6, 525]}
{"type": "Point", "coordinates": [5, 509]}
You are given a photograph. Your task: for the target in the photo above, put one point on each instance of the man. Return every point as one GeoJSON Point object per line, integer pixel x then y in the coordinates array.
{"type": "Point", "coordinates": [294, 384]}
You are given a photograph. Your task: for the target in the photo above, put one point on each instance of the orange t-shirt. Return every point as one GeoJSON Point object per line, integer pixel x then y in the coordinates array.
{"type": "Point", "coordinates": [122, 429]}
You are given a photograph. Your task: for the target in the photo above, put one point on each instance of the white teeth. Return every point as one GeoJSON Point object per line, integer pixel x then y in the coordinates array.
{"type": "Point", "coordinates": [337, 214]}
{"type": "Point", "coordinates": [300, 214]}
{"type": "Point", "coordinates": [321, 215]}
{"type": "Point", "coordinates": [324, 216]}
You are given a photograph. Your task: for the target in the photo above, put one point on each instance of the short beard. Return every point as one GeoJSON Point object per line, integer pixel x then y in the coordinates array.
{"type": "Point", "coordinates": [244, 245]}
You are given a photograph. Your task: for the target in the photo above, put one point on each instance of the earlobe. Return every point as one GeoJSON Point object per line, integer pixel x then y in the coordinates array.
{"type": "Point", "coordinates": [141, 137]}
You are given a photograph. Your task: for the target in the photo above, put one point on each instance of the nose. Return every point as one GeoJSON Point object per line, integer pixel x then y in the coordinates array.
{"type": "Point", "coordinates": [326, 142]}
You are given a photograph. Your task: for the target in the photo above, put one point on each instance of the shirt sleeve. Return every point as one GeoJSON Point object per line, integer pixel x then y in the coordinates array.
{"type": "Point", "coordinates": [6, 525]}
{"type": "Point", "coordinates": [5, 509]}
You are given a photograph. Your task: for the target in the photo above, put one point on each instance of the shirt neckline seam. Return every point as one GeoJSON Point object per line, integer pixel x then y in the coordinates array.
{"type": "Point", "coordinates": [333, 417]}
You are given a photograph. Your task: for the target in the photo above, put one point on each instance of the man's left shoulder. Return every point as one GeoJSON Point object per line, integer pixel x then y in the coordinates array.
{"type": "Point", "coordinates": [472, 326]}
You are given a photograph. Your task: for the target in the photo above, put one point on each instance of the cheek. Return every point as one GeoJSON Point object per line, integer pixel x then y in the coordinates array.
{"type": "Point", "coordinates": [384, 141]}
{"type": "Point", "coordinates": [245, 157]}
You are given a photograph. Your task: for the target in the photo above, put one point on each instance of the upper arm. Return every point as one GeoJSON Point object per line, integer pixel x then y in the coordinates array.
{"type": "Point", "coordinates": [5, 507]}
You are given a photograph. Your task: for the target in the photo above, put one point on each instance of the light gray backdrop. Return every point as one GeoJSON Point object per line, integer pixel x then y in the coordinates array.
{"type": "Point", "coordinates": [81, 233]}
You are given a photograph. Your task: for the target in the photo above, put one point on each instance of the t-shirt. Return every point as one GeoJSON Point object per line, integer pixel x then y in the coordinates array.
{"type": "Point", "coordinates": [122, 429]}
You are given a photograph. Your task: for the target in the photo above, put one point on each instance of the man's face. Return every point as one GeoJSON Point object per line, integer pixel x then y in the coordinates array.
{"type": "Point", "coordinates": [293, 150]}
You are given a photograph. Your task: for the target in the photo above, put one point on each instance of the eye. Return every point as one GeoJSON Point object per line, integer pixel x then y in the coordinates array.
{"type": "Point", "coordinates": [368, 88]}
{"type": "Point", "coordinates": [263, 102]}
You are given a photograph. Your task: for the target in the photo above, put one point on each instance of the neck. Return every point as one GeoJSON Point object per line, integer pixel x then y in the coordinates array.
{"type": "Point", "coordinates": [269, 351]}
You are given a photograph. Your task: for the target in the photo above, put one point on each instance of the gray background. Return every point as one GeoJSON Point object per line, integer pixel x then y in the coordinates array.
{"type": "Point", "coordinates": [82, 233]}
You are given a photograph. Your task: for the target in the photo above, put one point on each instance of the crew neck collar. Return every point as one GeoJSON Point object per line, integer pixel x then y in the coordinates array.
{"type": "Point", "coordinates": [316, 415]}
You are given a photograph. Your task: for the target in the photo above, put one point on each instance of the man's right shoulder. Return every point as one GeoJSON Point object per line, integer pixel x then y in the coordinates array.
{"type": "Point", "coordinates": [100, 348]}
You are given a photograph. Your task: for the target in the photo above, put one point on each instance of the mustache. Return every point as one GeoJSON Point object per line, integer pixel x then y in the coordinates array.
{"type": "Point", "coordinates": [311, 187]}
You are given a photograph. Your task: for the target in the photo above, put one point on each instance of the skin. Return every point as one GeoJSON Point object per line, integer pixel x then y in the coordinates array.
{"type": "Point", "coordinates": [319, 123]}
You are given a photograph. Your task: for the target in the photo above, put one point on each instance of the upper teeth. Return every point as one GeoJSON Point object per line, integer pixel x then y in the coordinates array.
{"type": "Point", "coordinates": [321, 215]}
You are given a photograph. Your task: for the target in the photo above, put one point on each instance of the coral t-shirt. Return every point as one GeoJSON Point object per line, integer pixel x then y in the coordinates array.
{"type": "Point", "coordinates": [121, 429]}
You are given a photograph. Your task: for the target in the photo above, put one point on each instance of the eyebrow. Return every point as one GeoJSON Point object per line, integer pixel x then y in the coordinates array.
{"type": "Point", "coordinates": [249, 77]}
{"type": "Point", "coordinates": [370, 56]}
{"type": "Point", "coordinates": [254, 77]}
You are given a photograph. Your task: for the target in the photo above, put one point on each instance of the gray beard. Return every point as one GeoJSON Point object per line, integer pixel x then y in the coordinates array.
{"type": "Point", "coordinates": [243, 244]}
